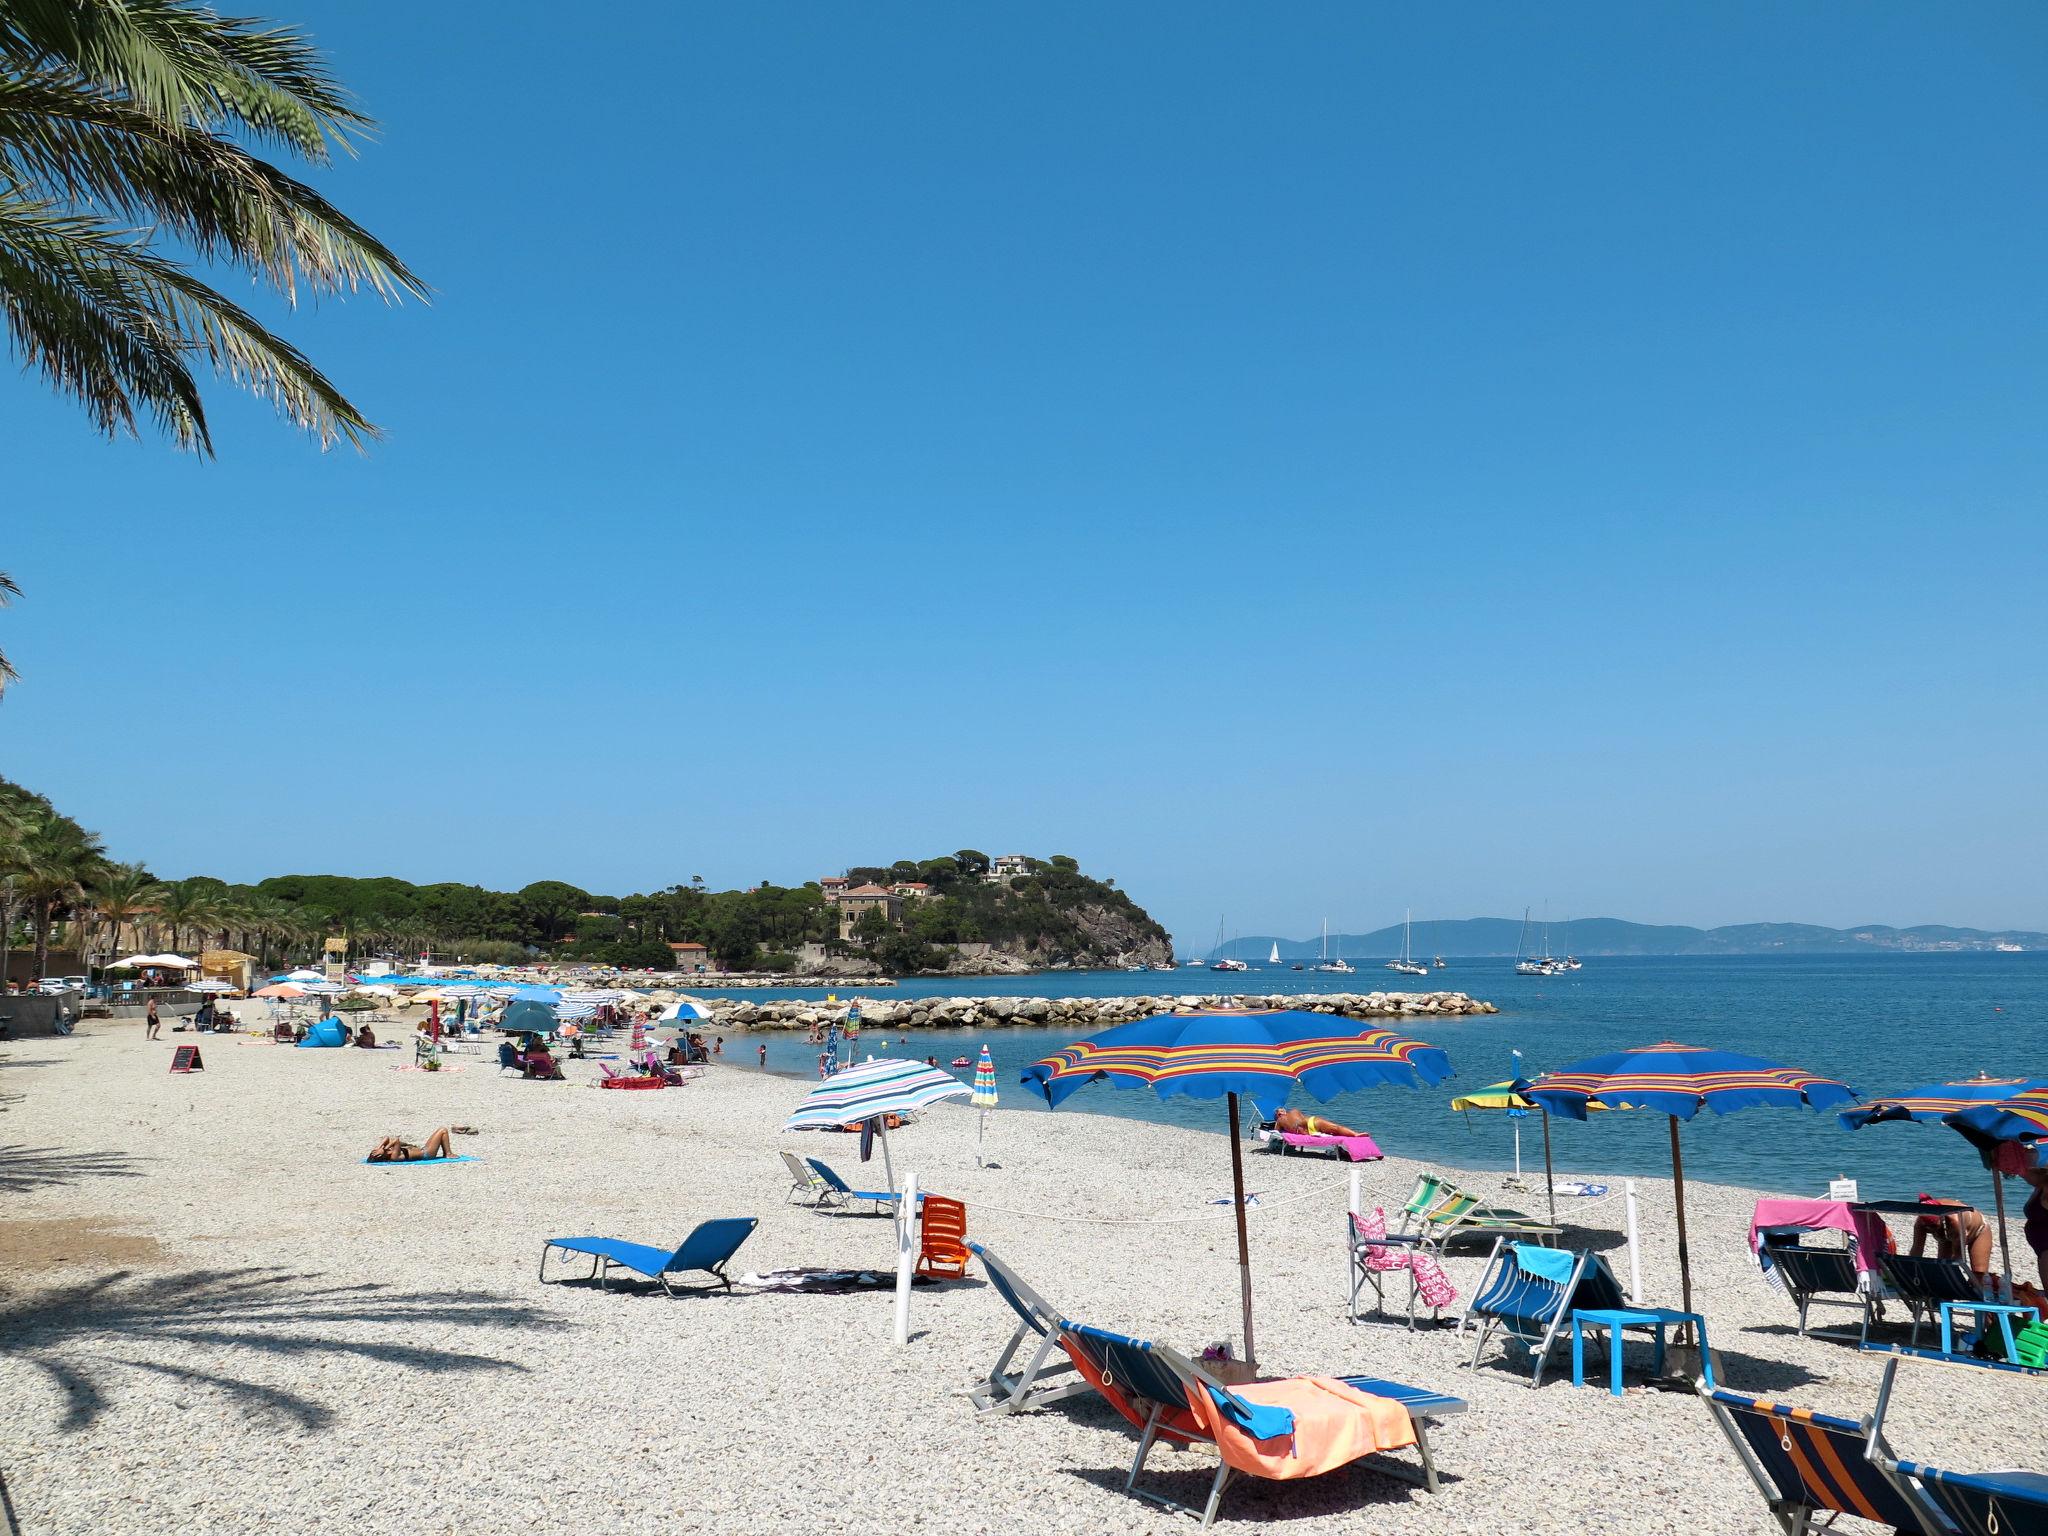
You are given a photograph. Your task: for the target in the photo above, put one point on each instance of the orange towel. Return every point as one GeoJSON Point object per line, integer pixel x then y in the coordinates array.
{"type": "Point", "coordinates": [1334, 1425]}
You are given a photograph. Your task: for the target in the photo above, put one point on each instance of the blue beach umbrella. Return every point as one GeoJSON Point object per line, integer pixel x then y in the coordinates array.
{"type": "Point", "coordinates": [1679, 1081]}
{"type": "Point", "coordinates": [872, 1091]}
{"type": "Point", "coordinates": [527, 1017]}
{"type": "Point", "coordinates": [1991, 1113]}
{"type": "Point", "coordinates": [1258, 1054]}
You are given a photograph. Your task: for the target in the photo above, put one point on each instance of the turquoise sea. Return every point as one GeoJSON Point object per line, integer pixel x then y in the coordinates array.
{"type": "Point", "coordinates": [1882, 1023]}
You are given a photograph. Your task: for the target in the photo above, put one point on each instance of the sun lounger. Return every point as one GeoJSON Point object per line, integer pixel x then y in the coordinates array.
{"type": "Point", "coordinates": [803, 1180]}
{"type": "Point", "coordinates": [1439, 1213]}
{"type": "Point", "coordinates": [942, 1238]}
{"type": "Point", "coordinates": [1527, 1293]}
{"type": "Point", "coordinates": [1924, 1284]}
{"type": "Point", "coordinates": [2001, 1503]}
{"type": "Point", "coordinates": [707, 1249]}
{"type": "Point", "coordinates": [1278, 1430]}
{"type": "Point", "coordinates": [1353, 1149]}
{"type": "Point", "coordinates": [1807, 1464]}
{"type": "Point", "coordinates": [1812, 1274]}
{"type": "Point", "coordinates": [1008, 1391]}
{"type": "Point", "coordinates": [840, 1192]}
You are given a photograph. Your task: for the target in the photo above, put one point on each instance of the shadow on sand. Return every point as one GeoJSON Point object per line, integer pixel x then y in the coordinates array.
{"type": "Point", "coordinates": [24, 1168]}
{"type": "Point", "coordinates": [83, 1336]}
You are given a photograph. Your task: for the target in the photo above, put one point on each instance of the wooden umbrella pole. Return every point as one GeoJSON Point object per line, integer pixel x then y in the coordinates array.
{"type": "Point", "coordinates": [1549, 1178]}
{"type": "Point", "coordinates": [1684, 1254]}
{"type": "Point", "coordinates": [1244, 1244]}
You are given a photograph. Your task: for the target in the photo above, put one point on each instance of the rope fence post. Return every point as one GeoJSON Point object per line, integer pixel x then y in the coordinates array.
{"type": "Point", "coordinates": [906, 1253]}
{"type": "Point", "coordinates": [1635, 1255]}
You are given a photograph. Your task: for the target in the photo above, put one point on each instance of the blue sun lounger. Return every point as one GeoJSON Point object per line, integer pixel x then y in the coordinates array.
{"type": "Point", "coordinates": [1806, 1464]}
{"type": "Point", "coordinates": [2006, 1503]}
{"type": "Point", "coordinates": [706, 1249]}
{"type": "Point", "coordinates": [1518, 1298]}
{"type": "Point", "coordinates": [838, 1191]}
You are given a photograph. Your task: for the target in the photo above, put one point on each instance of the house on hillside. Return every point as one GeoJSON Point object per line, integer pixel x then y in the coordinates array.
{"type": "Point", "coordinates": [1006, 867]}
{"type": "Point", "coordinates": [834, 886]}
{"type": "Point", "coordinates": [691, 957]}
{"type": "Point", "coordinates": [912, 890]}
{"type": "Point", "coordinates": [856, 903]}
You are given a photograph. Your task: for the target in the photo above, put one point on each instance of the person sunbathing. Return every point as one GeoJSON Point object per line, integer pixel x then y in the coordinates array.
{"type": "Point", "coordinates": [392, 1150]}
{"type": "Point", "coordinates": [1295, 1123]}
{"type": "Point", "coordinates": [366, 1038]}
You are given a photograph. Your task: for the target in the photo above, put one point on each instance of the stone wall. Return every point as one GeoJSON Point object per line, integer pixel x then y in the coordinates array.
{"type": "Point", "coordinates": [1079, 1012]}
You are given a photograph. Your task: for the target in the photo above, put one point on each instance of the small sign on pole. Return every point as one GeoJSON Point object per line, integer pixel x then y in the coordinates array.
{"type": "Point", "coordinates": [186, 1059]}
{"type": "Point", "coordinates": [1842, 1189]}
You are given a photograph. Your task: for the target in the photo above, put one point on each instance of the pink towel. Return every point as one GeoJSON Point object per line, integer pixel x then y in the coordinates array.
{"type": "Point", "coordinates": [1359, 1149]}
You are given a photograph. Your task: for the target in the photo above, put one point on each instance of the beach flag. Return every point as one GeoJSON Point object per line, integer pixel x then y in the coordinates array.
{"type": "Point", "coordinates": [984, 1097]}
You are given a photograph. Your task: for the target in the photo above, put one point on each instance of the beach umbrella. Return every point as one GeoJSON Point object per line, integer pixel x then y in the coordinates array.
{"type": "Point", "coordinates": [873, 1090]}
{"type": "Point", "coordinates": [302, 974]}
{"type": "Point", "coordinates": [2008, 1134]}
{"type": "Point", "coordinates": [528, 1017]}
{"type": "Point", "coordinates": [1256, 1054]}
{"type": "Point", "coordinates": [1511, 1098]}
{"type": "Point", "coordinates": [211, 984]}
{"type": "Point", "coordinates": [321, 988]}
{"type": "Point", "coordinates": [280, 989]}
{"type": "Point", "coordinates": [984, 1098]}
{"type": "Point", "coordinates": [1939, 1101]}
{"type": "Point", "coordinates": [1679, 1081]}
{"type": "Point", "coordinates": [684, 1009]}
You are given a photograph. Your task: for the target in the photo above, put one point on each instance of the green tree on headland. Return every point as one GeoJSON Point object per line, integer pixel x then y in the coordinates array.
{"type": "Point", "coordinates": [129, 138]}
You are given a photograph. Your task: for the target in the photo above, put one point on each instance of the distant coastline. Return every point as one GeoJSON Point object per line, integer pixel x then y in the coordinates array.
{"type": "Point", "coordinates": [1482, 937]}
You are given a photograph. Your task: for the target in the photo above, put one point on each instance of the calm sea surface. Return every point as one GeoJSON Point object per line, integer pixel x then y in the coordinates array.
{"type": "Point", "coordinates": [1882, 1024]}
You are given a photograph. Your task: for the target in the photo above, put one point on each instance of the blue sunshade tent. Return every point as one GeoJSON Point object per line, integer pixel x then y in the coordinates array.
{"type": "Point", "coordinates": [873, 1090]}
{"type": "Point", "coordinates": [1257, 1054]}
{"type": "Point", "coordinates": [1680, 1081]}
{"type": "Point", "coordinates": [527, 1017]}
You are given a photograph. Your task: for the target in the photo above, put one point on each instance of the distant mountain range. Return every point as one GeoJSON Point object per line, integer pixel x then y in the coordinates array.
{"type": "Point", "coordinates": [1477, 936]}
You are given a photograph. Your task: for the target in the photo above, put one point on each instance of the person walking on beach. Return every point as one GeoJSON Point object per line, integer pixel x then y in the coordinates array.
{"type": "Point", "coordinates": [155, 1024]}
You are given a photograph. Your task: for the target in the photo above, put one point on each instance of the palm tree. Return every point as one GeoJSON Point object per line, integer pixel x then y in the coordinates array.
{"type": "Point", "coordinates": [185, 904]}
{"type": "Point", "coordinates": [62, 858]}
{"type": "Point", "coordinates": [120, 897]}
{"type": "Point", "coordinates": [8, 592]}
{"type": "Point", "coordinates": [148, 114]}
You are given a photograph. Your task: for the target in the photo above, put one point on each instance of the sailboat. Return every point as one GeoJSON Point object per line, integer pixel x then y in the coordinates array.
{"type": "Point", "coordinates": [1274, 958]}
{"type": "Point", "coordinates": [1223, 962]}
{"type": "Point", "coordinates": [1570, 962]}
{"type": "Point", "coordinates": [1406, 965]}
{"type": "Point", "coordinates": [1334, 967]}
{"type": "Point", "coordinates": [1437, 961]}
{"type": "Point", "coordinates": [1523, 965]}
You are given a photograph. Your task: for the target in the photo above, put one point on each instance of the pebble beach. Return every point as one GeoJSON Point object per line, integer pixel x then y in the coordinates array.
{"type": "Point", "coordinates": [217, 1318]}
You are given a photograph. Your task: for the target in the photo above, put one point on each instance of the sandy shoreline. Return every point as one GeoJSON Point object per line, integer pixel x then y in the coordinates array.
{"type": "Point", "coordinates": [217, 1318]}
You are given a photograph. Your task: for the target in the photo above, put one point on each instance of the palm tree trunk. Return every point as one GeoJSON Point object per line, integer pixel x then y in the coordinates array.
{"type": "Point", "coordinates": [7, 906]}
{"type": "Point", "coordinates": [44, 910]}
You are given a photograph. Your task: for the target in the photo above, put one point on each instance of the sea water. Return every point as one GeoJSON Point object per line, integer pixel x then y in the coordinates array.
{"type": "Point", "coordinates": [1881, 1023]}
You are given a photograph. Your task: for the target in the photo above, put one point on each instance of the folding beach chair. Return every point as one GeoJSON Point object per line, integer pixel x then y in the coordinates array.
{"type": "Point", "coordinates": [1376, 1255]}
{"type": "Point", "coordinates": [1008, 1391]}
{"type": "Point", "coordinates": [1806, 1464]}
{"type": "Point", "coordinates": [841, 1192]}
{"type": "Point", "coordinates": [1438, 1213]}
{"type": "Point", "coordinates": [1267, 1429]}
{"type": "Point", "coordinates": [1812, 1274]}
{"type": "Point", "coordinates": [2003, 1503]}
{"type": "Point", "coordinates": [1534, 1310]}
{"type": "Point", "coordinates": [1924, 1284]}
{"type": "Point", "coordinates": [706, 1249]}
{"type": "Point", "coordinates": [803, 1181]}
{"type": "Point", "coordinates": [942, 1238]}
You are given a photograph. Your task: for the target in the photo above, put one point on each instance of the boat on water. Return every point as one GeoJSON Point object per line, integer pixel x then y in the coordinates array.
{"type": "Point", "coordinates": [1337, 967]}
{"type": "Point", "coordinates": [1437, 963]}
{"type": "Point", "coordinates": [1406, 965]}
{"type": "Point", "coordinates": [2007, 947]}
{"type": "Point", "coordinates": [1225, 963]}
{"type": "Point", "coordinates": [1545, 964]}
{"type": "Point", "coordinates": [1274, 958]}
{"type": "Point", "coordinates": [962, 1061]}
{"type": "Point", "coordinates": [1167, 965]}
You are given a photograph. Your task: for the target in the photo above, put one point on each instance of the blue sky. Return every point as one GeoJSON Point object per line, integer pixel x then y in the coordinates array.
{"type": "Point", "coordinates": [1300, 463]}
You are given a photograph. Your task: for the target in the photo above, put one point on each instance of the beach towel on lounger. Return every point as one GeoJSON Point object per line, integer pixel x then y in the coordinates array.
{"type": "Point", "coordinates": [1358, 1149]}
{"type": "Point", "coordinates": [1333, 1425]}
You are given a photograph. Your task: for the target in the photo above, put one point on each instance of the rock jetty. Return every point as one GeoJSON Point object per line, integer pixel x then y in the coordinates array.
{"type": "Point", "coordinates": [1080, 1012]}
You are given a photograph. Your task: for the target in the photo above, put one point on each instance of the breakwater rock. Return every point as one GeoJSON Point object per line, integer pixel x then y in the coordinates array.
{"type": "Point", "coordinates": [1079, 1012]}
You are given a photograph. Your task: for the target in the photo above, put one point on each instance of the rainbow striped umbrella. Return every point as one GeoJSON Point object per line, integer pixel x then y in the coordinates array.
{"type": "Point", "coordinates": [1945, 1101]}
{"type": "Point", "coordinates": [1257, 1054]}
{"type": "Point", "coordinates": [984, 1095]}
{"type": "Point", "coordinates": [2022, 1117]}
{"type": "Point", "coordinates": [1680, 1081]}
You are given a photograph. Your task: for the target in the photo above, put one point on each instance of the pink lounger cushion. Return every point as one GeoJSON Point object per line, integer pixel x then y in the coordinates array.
{"type": "Point", "coordinates": [1360, 1149]}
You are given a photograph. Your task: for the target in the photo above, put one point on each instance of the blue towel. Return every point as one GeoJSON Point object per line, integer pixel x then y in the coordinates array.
{"type": "Point", "coordinates": [1259, 1420]}
{"type": "Point", "coordinates": [418, 1162]}
{"type": "Point", "coordinates": [1552, 1264]}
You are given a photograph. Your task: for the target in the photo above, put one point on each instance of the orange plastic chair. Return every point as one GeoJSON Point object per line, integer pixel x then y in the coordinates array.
{"type": "Point", "coordinates": [943, 1250]}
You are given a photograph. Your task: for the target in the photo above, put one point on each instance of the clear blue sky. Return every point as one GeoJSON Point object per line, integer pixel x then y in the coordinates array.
{"type": "Point", "coordinates": [1301, 462]}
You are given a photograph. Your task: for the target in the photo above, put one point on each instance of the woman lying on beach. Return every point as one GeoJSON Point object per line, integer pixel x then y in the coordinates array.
{"type": "Point", "coordinates": [392, 1150]}
{"type": "Point", "coordinates": [1295, 1123]}
{"type": "Point", "coordinates": [1957, 1230]}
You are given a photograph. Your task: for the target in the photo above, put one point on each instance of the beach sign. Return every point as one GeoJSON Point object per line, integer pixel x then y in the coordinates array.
{"type": "Point", "coordinates": [1842, 1189]}
{"type": "Point", "coordinates": [186, 1059]}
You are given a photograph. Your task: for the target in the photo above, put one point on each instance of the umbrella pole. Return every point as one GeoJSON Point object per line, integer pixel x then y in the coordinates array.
{"type": "Point", "coordinates": [2004, 1238]}
{"type": "Point", "coordinates": [1549, 1177]}
{"type": "Point", "coordinates": [1684, 1254]}
{"type": "Point", "coordinates": [1244, 1246]}
{"type": "Point", "coordinates": [888, 1168]}
{"type": "Point", "coordinates": [1518, 1153]}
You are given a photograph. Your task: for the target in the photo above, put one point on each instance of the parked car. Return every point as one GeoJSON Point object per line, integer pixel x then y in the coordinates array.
{"type": "Point", "coordinates": [55, 984]}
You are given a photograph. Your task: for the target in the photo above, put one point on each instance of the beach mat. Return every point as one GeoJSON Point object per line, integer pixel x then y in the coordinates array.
{"type": "Point", "coordinates": [422, 1162]}
{"type": "Point", "coordinates": [827, 1282]}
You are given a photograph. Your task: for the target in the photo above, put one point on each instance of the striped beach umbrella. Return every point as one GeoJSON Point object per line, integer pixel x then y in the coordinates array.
{"type": "Point", "coordinates": [1679, 1081]}
{"type": "Point", "coordinates": [1256, 1054]}
{"type": "Point", "coordinates": [984, 1098]}
{"type": "Point", "coordinates": [2022, 1117]}
{"type": "Point", "coordinates": [873, 1090]}
{"type": "Point", "coordinates": [1944, 1101]}
{"type": "Point", "coordinates": [321, 988]}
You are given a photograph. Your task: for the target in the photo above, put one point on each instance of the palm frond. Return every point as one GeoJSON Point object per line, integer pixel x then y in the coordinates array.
{"type": "Point", "coordinates": [66, 137]}
{"type": "Point", "coordinates": [186, 64]}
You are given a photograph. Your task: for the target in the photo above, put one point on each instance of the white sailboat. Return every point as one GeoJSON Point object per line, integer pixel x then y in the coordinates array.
{"type": "Point", "coordinates": [1406, 966]}
{"type": "Point", "coordinates": [1523, 965]}
{"type": "Point", "coordinates": [1334, 967]}
{"type": "Point", "coordinates": [1274, 958]}
{"type": "Point", "coordinates": [1224, 963]}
